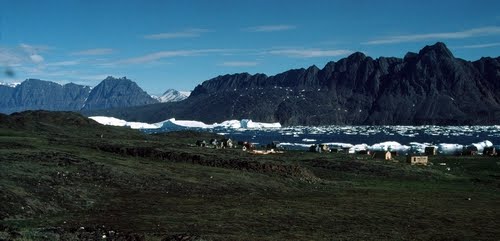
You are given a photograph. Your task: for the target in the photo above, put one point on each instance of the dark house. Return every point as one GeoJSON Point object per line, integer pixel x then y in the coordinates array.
{"type": "Point", "coordinates": [490, 151]}
{"type": "Point", "coordinates": [384, 155]}
{"type": "Point", "coordinates": [470, 151]}
{"type": "Point", "coordinates": [226, 143]}
{"type": "Point", "coordinates": [274, 145]}
{"type": "Point", "coordinates": [430, 151]}
{"type": "Point", "coordinates": [201, 143]}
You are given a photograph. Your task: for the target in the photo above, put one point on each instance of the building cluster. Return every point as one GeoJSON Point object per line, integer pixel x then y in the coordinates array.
{"type": "Point", "coordinates": [411, 158]}
{"type": "Point", "coordinates": [244, 145]}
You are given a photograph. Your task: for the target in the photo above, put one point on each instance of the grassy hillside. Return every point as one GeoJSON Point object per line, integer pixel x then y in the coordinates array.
{"type": "Point", "coordinates": [64, 177]}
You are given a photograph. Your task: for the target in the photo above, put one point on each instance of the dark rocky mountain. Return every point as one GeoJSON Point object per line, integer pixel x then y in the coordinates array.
{"type": "Point", "coordinates": [113, 92]}
{"type": "Point", "coordinates": [34, 94]}
{"type": "Point", "coordinates": [429, 87]}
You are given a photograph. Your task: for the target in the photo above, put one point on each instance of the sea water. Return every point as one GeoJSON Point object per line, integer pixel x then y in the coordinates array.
{"type": "Point", "coordinates": [301, 137]}
{"type": "Point", "coordinates": [400, 138]}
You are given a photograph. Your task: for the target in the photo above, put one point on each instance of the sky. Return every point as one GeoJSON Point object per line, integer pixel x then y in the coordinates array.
{"type": "Point", "coordinates": [179, 44]}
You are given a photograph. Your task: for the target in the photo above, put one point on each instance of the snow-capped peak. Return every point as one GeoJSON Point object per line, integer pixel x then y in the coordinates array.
{"type": "Point", "coordinates": [172, 95]}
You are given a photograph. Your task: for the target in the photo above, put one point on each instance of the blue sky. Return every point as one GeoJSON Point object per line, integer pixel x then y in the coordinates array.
{"type": "Point", "coordinates": [179, 44]}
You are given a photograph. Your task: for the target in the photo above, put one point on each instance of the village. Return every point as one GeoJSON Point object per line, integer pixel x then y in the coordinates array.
{"type": "Point", "coordinates": [388, 155]}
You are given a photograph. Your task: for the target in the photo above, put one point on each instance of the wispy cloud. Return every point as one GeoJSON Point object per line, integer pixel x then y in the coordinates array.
{"type": "Point", "coordinates": [97, 51]}
{"type": "Point", "coordinates": [477, 46]}
{"type": "Point", "coordinates": [59, 73]}
{"type": "Point", "coordinates": [168, 54]}
{"type": "Point", "coordinates": [10, 57]}
{"type": "Point", "coordinates": [309, 53]}
{"type": "Point", "coordinates": [188, 33]}
{"type": "Point", "coordinates": [475, 32]}
{"type": "Point", "coordinates": [64, 63]}
{"type": "Point", "coordinates": [270, 28]}
{"type": "Point", "coordinates": [34, 49]}
{"type": "Point", "coordinates": [97, 77]}
{"type": "Point", "coordinates": [36, 58]}
{"type": "Point", "coordinates": [239, 63]}
{"type": "Point", "coordinates": [34, 52]}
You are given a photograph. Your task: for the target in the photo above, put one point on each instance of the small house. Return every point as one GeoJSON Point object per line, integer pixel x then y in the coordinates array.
{"type": "Point", "coordinates": [214, 142]}
{"type": "Point", "coordinates": [201, 143]}
{"type": "Point", "coordinates": [384, 155]}
{"type": "Point", "coordinates": [226, 143]}
{"type": "Point", "coordinates": [490, 151]}
{"type": "Point", "coordinates": [324, 148]}
{"type": "Point", "coordinates": [363, 152]}
{"type": "Point", "coordinates": [319, 148]}
{"type": "Point", "coordinates": [273, 145]}
{"type": "Point", "coordinates": [247, 146]}
{"type": "Point", "coordinates": [497, 150]}
{"type": "Point", "coordinates": [336, 149]}
{"type": "Point", "coordinates": [430, 151]}
{"type": "Point", "coordinates": [314, 148]}
{"type": "Point", "coordinates": [417, 160]}
{"type": "Point", "coordinates": [469, 150]}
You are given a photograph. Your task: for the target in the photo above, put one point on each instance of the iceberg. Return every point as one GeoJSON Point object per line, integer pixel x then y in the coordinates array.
{"type": "Point", "coordinates": [357, 148]}
{"type": "Point", "coordinates": [111, 121]}
{"type": "Point", "coordinates": [418, 148]}
{"type": "Point", "coordinates": [339, 144]}
{"type": "Point", "coordinates": [172, 123]}
{"type": "Point", "coordinates": [481, 145]}
{"type": "Point", "coordinates": [249, 124]}
{"type": "Point", "coordinates": [449, 149]}
{"type": "Point", "coordinates": [389, 146]}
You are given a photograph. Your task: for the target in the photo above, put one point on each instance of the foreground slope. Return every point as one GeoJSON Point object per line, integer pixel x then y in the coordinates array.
{"type": "Point", "coordinates": [429, 87]}
{"type": "Point", "coordinates": [65, 177]}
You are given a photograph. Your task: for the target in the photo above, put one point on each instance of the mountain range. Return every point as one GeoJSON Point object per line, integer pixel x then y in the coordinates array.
{"type": "Point", "coordinates": [34, 94]}
{"type": "Point", "coordinates": [428, 87]}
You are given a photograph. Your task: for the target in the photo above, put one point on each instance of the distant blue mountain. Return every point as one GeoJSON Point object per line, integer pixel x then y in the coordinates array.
{"type": "Point", "coordinates": [34, 94]}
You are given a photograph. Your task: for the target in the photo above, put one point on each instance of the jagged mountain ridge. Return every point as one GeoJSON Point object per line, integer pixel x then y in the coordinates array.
{"type": "Point", "coordinates": [429, 87]}
{"type": "Point", "coordinates": [34, 94]}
